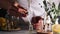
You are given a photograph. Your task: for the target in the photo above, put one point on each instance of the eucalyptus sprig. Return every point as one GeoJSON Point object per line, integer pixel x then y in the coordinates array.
{"type": "Point", "coordinates": [52, 10]}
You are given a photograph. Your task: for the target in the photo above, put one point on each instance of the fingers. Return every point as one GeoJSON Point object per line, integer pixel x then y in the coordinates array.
{"type": "Point", "coordinates": [16, 4]}
{"type": "Point", "coordinates": [22, 11]}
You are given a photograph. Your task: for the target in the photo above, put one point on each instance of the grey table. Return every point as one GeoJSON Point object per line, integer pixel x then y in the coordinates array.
{"type": "Point", "coordinates": [17, 32]}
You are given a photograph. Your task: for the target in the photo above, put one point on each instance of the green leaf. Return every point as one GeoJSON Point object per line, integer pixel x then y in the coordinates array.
{"type": "Point", "coordinates": [59, 6]}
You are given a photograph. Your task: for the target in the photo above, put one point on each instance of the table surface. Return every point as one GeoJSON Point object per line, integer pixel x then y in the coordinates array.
{"type": "Point", "coordinates": [45, 33]}
{"type": "Point", "coordinates": [17, 32]}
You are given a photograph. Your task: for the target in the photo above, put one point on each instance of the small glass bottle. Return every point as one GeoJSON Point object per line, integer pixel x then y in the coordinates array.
{"type": "Point", "coordinates": [56, 27]}
{"type": "Point", "coordinates": [30, 28]}
{"type": "Point", "coordinates": [48, 25]}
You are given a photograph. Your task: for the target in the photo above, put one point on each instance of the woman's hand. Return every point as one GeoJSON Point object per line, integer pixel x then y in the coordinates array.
{"type": "Point", "coordinates": [21, 10]}
{"type": "Point", "coordinates": [18, 11]}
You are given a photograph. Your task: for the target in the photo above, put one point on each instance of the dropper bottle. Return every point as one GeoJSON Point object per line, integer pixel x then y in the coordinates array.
{"type": "Point", "coordinates": [48, 25]}
{"type": "Point", "coordinates": [56, 22]}
{"type": "Point", "coordinates": [30, 24]}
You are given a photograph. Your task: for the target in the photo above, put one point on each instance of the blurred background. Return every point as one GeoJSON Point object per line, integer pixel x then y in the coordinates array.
{"type": "Point", "coordinates": [11, 20]}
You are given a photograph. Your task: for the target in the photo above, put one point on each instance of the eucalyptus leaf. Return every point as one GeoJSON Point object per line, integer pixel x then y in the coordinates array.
{"type": "Point", "coordinates": [56, 12]}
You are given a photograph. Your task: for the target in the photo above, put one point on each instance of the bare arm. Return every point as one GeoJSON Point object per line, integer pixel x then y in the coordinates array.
{"type": "Point", "coordinates": [16, 8]}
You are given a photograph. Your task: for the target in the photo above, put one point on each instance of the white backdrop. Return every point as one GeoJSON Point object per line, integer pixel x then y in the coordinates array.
{"type": "Point", "coordinates": [36, 9]}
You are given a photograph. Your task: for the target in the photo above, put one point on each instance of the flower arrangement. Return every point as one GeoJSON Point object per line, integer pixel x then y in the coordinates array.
{"type": "Point", "coordinates": [51, 10]}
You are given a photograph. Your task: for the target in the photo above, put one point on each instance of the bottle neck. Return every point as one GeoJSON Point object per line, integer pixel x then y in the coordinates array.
{"type": "Point", "coordinates": [56, 21]}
